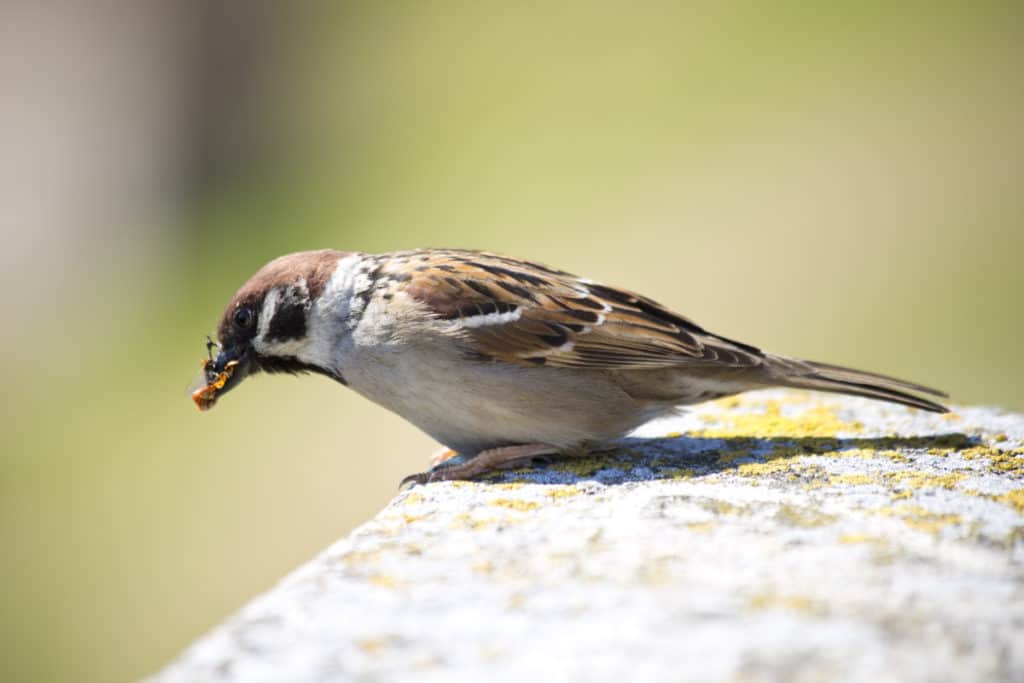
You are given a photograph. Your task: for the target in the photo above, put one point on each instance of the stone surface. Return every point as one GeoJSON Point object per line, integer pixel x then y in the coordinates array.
{"type": "Point", "coordinates": [777, 536]}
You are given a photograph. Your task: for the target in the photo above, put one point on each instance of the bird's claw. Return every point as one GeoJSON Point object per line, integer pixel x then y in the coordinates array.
{"type": "Point", "coordinates": [422, 478]}
{"type": "Point", "coordinates": [417, 479]}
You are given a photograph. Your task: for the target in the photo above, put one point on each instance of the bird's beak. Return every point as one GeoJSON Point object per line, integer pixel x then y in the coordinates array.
{"type": "Point", "coordinates": [221, 375]}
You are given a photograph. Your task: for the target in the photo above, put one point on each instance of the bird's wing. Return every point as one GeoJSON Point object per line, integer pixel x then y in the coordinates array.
{"type": "Point", "coordinates": [528, 314]}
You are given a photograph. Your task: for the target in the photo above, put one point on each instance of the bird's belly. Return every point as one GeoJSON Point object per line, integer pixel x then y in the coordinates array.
{"type": "Point", "coordinates": [470, 406]}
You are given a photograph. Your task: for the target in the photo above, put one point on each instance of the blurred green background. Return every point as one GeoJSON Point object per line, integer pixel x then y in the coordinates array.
{"type": "Point", "coordinates": [838, 181]}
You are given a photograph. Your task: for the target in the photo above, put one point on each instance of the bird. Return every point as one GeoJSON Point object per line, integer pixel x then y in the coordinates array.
{"type": "Point", "coordinates": [502, 360]}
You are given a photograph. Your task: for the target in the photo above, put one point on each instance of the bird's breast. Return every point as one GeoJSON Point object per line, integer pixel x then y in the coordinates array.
{"type": "Point", "coordinates": [470, 405]}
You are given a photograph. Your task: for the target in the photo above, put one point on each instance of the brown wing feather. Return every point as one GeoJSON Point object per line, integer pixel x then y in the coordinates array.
{"type": "Point", "coordinates": [529, 314]}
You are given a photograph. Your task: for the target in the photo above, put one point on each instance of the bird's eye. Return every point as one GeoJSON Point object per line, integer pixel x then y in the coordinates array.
{"type": "Point", "coordinates": [243, 318]}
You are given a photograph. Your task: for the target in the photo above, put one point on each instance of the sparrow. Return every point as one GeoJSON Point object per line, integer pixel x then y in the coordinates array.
{"type": "Point", "coordinates": [496, 358]}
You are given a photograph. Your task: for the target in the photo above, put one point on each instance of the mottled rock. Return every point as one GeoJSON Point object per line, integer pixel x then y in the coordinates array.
{"type": "Point", "coordinates": [777, 536]}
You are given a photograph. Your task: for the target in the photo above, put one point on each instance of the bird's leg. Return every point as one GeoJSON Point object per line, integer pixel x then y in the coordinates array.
{"type": "Point", "coordinates": [503, 458]}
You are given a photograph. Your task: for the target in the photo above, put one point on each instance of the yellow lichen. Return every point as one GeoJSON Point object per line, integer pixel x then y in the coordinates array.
{"type": "Point", "coordinates": [893, 456]}
{"type": "Point", "coordinates": [916, 479]}
{"type": "Point", "coordinates": [722, 507]}
{"type": "Point", "coordinates": [857, 479]}
{"type": "Point", "coordinates": [655, 572]}
{"type": "Point", "coordinates": [356, 558]}
{"type": "Point", "coordinates": [374, 646]}
{"type": "Point", "coordinates": [729, 403]}
{"type": "Point", "coordinates": [1006, 462]}
{"type": "Point", "coordinates": [863, 453]}
{"type": "Point", "coordinates": [464, 520]}
{"type": "Point", "coordinates": [781, 464]}
{"type": "Point", "coordinates": [483, 567]}
{"type": "Point", "coordinates": [511, 486]}
{"type": "Point", "coordinates": [932, 523]}
{"type": "Point", "coordinates": [920, 518]}
{"type": "Point", "coordinates": [1014, 499]}
{"type": "Point", "coordinates": [760, 469]}
{"type": "Point", "coordinates": [852, 539]}
{"type": "Point", "coordinates": [792, 602]}
{"type": "Point", "coordinates": [585, 466]}
{"type": "Point", "coordinates": [701, 527]}
{"type": "Point", "coordinates": [383, 580]}
{"type": "Point", "coordinates": [413, 499]}
{"type": "Point", "coordinates": [563, 491]}
{"type": "Point", "coordinates": [677, 473]}
{"type": "Point", "coordinates": [817, 421]}
{"type": "Point", "coordinates": [515, 504]}
{"type": "Point", "coordinates": [516, 601]}
{"type": "Point", "coordinates": [802, 516]}
{"type": "Point", "coordinates": [1000, 461]}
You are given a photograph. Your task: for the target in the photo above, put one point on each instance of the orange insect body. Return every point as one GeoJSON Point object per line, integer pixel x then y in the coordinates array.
{"type": "Point", "coordinates": [205, 396]}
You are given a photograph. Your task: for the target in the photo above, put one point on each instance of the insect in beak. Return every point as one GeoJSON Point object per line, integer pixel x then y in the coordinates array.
{"type": "Point", "coordinates": [209, 382]}
{"type": "Point", "coordinates": [206, 395]}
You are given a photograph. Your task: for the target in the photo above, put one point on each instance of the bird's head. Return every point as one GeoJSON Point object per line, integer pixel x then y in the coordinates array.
{"type": "Point", "coordinates": [271, 325]}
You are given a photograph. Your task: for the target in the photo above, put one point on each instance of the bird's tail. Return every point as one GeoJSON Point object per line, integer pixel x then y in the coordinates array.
{"type": "Point", "coordinates": [823, 377]}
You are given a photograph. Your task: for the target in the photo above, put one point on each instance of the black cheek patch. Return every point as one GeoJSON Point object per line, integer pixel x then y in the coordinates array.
{"type": "Point", "coordinates": [289, 322]}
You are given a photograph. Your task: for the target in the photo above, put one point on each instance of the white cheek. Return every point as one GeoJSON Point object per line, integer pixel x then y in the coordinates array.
{"type": "Point", "coordinates": [321, 345]}
{"type": "Point", "coordinates": [269, 305]}
{"type": "Point", "coordinates": [292, 347]}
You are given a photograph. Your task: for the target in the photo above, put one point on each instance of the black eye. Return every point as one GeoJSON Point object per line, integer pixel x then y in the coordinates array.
{"type": "Point", "coordinates": [243, 318]}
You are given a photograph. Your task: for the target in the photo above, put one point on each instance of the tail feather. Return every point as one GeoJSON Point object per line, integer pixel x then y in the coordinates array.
{"type": "Point", "coordinates": [840, 373]}
{"type": "Point", "coordinates": [840, 380]}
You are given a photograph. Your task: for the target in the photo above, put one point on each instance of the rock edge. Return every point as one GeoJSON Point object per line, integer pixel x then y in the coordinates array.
{"type": "Point", "coordinates": [776, 536]}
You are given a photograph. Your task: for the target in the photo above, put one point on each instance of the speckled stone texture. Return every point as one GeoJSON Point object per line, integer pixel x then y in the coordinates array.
{"type": "Point", "coordinates": [775, 537]}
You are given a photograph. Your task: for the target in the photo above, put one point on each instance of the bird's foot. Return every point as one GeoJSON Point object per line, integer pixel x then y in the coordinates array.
{"type": "Point", "coordinates": [484, 462]}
